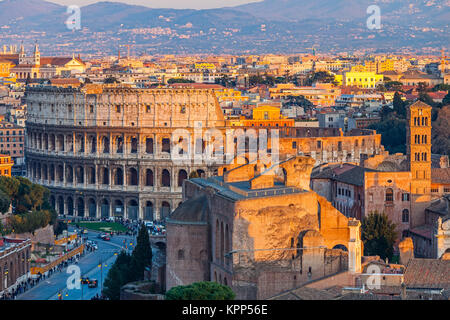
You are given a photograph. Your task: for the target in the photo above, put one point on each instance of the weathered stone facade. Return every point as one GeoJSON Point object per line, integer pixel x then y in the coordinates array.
{"type": "Point", "coordinates": [14, 262]}
{"type": "Point", "coordinates": [105, 150]}
{"type": "Point", "coordinates": [259, 237]}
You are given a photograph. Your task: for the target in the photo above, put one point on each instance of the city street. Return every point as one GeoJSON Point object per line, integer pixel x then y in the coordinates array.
{"type": "Point", "coordinates": [49, 288]}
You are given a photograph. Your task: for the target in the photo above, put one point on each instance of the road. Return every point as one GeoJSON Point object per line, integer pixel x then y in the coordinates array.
{"type": "Point", "coordinates": [49, 288]}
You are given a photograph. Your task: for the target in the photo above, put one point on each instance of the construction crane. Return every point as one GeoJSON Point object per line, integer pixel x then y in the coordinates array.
{"type": "Point", "coordinates": [128, 49]}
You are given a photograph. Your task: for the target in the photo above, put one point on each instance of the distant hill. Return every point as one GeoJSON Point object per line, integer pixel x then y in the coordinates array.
{"type": "Point", "coordinates": [267, 26]}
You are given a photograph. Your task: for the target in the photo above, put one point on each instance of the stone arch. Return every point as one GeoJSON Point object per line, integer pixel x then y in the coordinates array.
{"type": "Point", "coordinates": [44, 171]}
{"type": "Point", "coordinates": [79, 143]}
{"type": "Point", "coordinates": [165, 145]}
{"type": "Point", "coordinates": [92, 207]}
{"type": "Point", "coordinates": [52, 142]}
{"type": "Point", "coordinates": [105, 208]}
{"type": "Point", "coordinates": [60, 173]}
{"type": "Point", "coordinates": [182, 175]}
{"type": "Point", "coordinates": [118, 208]}
{"type": "Point", "coordinates": [60, 142]}
{"type": "Point", "coordinates": [149, 179]}
{"type": "Point", "coordinates": [118, 177]}
{"type": "Point", "coordinates": [61, 205]}
{"type": "Point", "coordinates": [105, 175]}
{"type": "Point", "coordinates": [53, 202]}
{"type": "Point", "coordinates": [132, 176]}
{"type": "Point", "coordinates": [69, 174]}
{"type": "Point", "coordinates": [133, 209]}
{"type": "Point", "coordinates": [69, 206]}
{"type": "Point", "coordinates": [165, 178]}
{"type": "Point", "coordinates": [92, 141]}
{"type": "Point", "coordinates": [105, 144]}
{"type": "Point", "coordinates": [340, 247]}
{"type": "Point", "coordinates": [148, 211]}
{"type": "Point", "coordinates": [52, 172]}
{"type": "Point", "coordinates": [91, 175]}
{"type": "Point", "coordinates": [165, 210]}
{"type": "Point", "coordinates": [133, 145]}
{"type": "Point", "coordinates": [80, 207]}
{"type": "Point", "coordinates": [118, 142]}
{"type": "Point", "coordinates": [149, 145]}
{"type": "Point", "coordinates": [79, 173]}
{"type": "Point", "coordinates": [405, 216]}
{"type": "Point", "coordinates": [201, 173]}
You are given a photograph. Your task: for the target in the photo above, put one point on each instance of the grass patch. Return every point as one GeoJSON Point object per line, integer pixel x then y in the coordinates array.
{"type": "Point", "coordinates": [101, 226]}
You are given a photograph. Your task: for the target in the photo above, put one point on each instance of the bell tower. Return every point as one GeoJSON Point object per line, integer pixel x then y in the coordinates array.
{"type": "Point", "coordinates": [37, 55]}
{"type": "Point", "coordinates": [418, 142]}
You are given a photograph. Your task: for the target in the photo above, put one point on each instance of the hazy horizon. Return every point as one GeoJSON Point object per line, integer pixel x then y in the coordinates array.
{"type": "Point", "coordinates": [168, 4]}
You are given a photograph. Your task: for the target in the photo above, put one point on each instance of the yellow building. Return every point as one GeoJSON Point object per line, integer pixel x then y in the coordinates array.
{"type": "Point", "coordinates": [229, 94]}
{"type": "Point", "coordinates": [5, 67]}
{"type": "Point", "coordinates": [6, 164]}
{"type": "Point", "coordinates": [360, 79]}
{"type": "Point", "coordinates": [265, 116]}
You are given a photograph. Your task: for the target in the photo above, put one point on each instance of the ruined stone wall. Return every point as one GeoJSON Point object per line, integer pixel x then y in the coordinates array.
{"type": "Point", "coordinates": [377, 184]}
{"type": "Point", "coordinates": [188, 254]}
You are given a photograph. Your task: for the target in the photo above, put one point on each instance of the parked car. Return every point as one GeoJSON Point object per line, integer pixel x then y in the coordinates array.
{"type": "Point", "coordinates": [93, 283]}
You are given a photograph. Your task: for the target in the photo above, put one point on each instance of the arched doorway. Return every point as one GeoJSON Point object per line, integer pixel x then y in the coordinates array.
{"type": "Point", "coordinates": [182, 175]}
{"type": "Point", "coordinates": [92, 208]}
{"type": "Point", "coordinates": [70, 206]}
{"type": "Point", "coordinates": [105, 208]}
{"type": "Point", "coordinates": [148, 211]}
{"type": "Point", "coordinates": [80, 207]}
{"type": "Point", "coordinates": [118, 208]}
{"type": "Point", "coordinates": [165, 210]}
{"type": "Point", "coordinates": [132, 209]}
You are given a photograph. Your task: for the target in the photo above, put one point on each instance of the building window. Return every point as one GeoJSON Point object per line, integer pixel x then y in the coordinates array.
{"type": "Point", "coordinates": [389, 195]}
{"type": "Point", "coordinates": [405, 197]}
{"type": "Point", "coordinates": [118, 109]}
{"type": "Point", "coordinates": [180, 254]}
{"type": "Point", "coordinates": [405, 216]}
{"type": "Point", "coordinates": [294, 145]}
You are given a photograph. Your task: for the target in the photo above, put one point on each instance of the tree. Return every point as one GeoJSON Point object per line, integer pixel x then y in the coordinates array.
{"type": "Point", "coordinates": [5, 202]}
{"type": "Point", "coordinates": [111, 80]}
{"type": "Point", "coordinates": [393, 134]}
{"type": "Point", "coordinates": [441, 87]}
{"type": "Point", "coordinates": [179, 80]}
{"type": "Point", "coordinates": [393, 85]}
{"type": "Point", "coordinates": [378, 234]}
{"type": "Point", "coordinates": [446, 99]}
{"type": "Point", "coordinates": [399, 105]}
{"type": "Point", "coordinates": [424, 97]}
{"type": "Point", "coordinates": [321, 76]}
{"type": "Point", "coordinates": [117, 276]}
{"type": "Point", "coordinates": [142, 254]}
{"type": "Point", "coordinates": [440, 131]}
{"type": "Point", "coordinates": [201, 291]}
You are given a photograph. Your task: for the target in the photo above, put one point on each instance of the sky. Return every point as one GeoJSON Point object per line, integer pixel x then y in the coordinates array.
{"type": "Point", "coordinates": [175, 4]}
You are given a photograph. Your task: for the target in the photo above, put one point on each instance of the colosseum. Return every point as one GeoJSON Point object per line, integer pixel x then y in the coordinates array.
{"type": "Point", "coordinates": [107, 150]}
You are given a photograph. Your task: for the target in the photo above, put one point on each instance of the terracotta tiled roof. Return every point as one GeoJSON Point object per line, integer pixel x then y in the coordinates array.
{"type": "Point", "coordinates": [440, 175]}
{"type": "Point", "coordinates": [428, 273]}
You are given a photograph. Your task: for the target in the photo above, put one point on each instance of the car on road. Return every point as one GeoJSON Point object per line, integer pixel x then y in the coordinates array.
{"type": "Point", "coordinates": [106, 238]}
{"type": "Point", "coordinates": [93, 283]}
